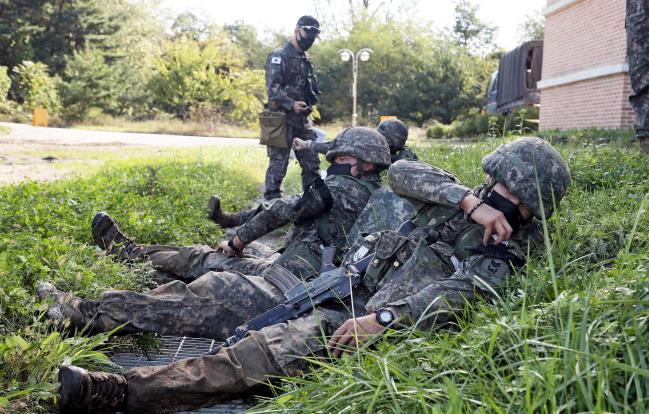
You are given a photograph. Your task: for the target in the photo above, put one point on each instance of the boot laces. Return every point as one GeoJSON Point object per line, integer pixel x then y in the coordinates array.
{"type": "Point", "coordinates": [107, 390]}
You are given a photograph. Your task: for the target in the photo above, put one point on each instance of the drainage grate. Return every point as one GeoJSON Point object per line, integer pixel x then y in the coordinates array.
{"type": "Point", "coordinates": [174, 348]}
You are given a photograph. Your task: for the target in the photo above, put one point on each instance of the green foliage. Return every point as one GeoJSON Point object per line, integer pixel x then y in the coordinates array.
{"type": "Point", "coordinates": [413, 74]}
{"type": "Point", "coordinates": [5, 83]}
{"type": "Point", "coordinates": [533, 28]}
{"type": "Point", "coordinates": [36, 88]}
{"type": "Point", "coordinates": [91, 82]}
{"type": "Point", "coordinates": [469, 31]}
{"type": "Point", "coordinates": [208, 78]}
{"type": "Point", "coordinates": [45, 235]}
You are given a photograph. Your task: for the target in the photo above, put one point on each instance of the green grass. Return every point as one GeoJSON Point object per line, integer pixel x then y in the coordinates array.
{"type": "Point", "coordinates": [170, 126]}
{"type": "Point", "coordinates": [4, 130]}
{"type": "Point", "coordinates": [569, 336]}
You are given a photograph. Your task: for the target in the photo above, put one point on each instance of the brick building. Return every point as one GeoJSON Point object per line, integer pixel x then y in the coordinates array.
{"type": "Point", "coordinates": [585, 79]}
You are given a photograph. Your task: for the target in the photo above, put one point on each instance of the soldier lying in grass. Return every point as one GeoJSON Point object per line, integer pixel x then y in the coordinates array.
{"type": "Point", "coordinates": [464, 245]}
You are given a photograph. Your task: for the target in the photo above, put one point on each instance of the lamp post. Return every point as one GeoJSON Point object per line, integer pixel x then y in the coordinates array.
{"type": "Point", "coordinates": [361, 55]}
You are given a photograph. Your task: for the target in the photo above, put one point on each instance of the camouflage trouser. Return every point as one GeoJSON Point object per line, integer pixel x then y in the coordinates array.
{"type": "Point", "coordinates": [190, 262]}
{"type": "Point", "coordinates": [210, 307]}
{"type": "Point", "coordinates": [195, 382]}
{"type": "Point", "coordinates": [637, 26]}
{"type": "Point", "coordinates": [278, 163]}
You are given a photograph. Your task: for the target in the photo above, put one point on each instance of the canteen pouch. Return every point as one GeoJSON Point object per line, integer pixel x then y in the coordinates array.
{"type": "Point", "coordinates": [273, 129]}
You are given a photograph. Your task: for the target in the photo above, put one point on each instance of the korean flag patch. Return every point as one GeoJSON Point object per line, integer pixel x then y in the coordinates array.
{"type": "Point", "coordinates": [276, 60]}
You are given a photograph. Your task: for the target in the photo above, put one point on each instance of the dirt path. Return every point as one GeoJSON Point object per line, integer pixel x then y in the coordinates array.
{"type": "Point", "coordinates": [45, 154]}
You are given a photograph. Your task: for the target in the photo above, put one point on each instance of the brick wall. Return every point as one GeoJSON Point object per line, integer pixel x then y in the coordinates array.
{"type": "Point", "coordinates": [581, 38]}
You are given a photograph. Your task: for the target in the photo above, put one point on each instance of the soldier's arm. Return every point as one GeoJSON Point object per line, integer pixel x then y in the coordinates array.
{"type": "Point", "coordinates": [316, 200]}
{"type": "Point", "coordinates": [420, 182]}
{"type": "Point", "coordinates": [275, 78]}
{"type": "Point", "coordinates": [321, 147]}
{"type": "Point", "coordinates": [444, 300]}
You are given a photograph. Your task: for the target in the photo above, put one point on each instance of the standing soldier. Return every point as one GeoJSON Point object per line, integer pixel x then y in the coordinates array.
{"type": "Point", "coordinates": [292, 88]}
{"type": "Point", "coordinates": [637, 31]}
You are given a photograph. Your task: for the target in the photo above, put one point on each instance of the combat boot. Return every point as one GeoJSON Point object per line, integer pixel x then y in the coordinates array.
{"type": "Point", "coordinates": [222, 218]}
{"type": "Point", "coordinates": [109, 237]}
{"type": "Point", "coordinates": [79, 313]}
{"type": "Point", "coordinates": [81, 391]}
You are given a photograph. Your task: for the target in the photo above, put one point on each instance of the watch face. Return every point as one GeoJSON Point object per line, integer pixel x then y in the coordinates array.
{"type": "Point", "coordinates": [385, 317]}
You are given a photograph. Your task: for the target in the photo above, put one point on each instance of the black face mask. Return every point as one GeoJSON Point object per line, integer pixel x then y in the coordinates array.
{"type": "Point", "coordinates": [509, 209]}
{"type": "Point", "coordinates": [305, 42]}
{"type": "Point", "coordinates": [340, 169]}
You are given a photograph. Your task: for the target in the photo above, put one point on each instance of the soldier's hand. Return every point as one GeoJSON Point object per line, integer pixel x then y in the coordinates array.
{"type": "Point", "coordinates": [300, 144]}
{"type": "Point", "coordinates": [354, 332]}
{"type": "Point", "coordinates": [493, 221]}
{"type": "Point", "coordinates": [300, 106]}
{"type": "Point", "coordinates": [223, 247]}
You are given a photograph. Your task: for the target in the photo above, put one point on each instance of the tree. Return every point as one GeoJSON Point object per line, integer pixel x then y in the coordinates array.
{"type": "Point", "coordinates": [188, 25]}
{"type": "Point", "coordinates": [91, 82]}
{"type": "Point", "coordinates": [413, 73]}
{"type": "Point", "coordinates": [533, 28]}
{"type": "Point", "coordinates": [469, 31]}
{"type": "Point", "coordinates": [36, 88]}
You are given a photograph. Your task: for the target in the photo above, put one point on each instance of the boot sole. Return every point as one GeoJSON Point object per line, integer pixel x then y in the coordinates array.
{"type": "Point", "coordinates": [70, 379]}
{"type": "Point", "coordinates": [213, 206]}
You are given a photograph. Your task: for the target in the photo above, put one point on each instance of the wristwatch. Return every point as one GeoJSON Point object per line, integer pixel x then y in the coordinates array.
{"type": "Point", "coordinates": [384, 317]}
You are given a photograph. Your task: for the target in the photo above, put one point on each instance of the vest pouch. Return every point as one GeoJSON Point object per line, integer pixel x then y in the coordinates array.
{"type": "Point", "coordinates": [424, 266]}
{"type": "Point", "coordinates": [273, 129]}
{"type": "Point", "coordinates": [391, 251]}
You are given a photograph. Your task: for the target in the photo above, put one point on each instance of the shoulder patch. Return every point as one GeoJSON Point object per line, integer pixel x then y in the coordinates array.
{"type": "Point", "coordinates": [276, 60]}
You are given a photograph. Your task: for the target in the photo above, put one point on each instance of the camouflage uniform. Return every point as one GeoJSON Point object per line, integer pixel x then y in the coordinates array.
{"type": "Point", "coordinates": [428, 276]}
{"type": "Point", "coordinates": [217, 301]}
{"type": "Point", "coordinates": [288, 75]}
{"type": "Point", "coordinates": [637, 27]}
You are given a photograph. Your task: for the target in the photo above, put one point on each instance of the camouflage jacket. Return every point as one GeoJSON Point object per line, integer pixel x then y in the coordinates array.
{"type": "Point", "coordinates": [290, 77]}
{"type": "Point", "coordinates": [430, 275]}
{"type": "Point", "coordinates": [401, 154]}
{"type": "Point", "coordinates": [313, 222]}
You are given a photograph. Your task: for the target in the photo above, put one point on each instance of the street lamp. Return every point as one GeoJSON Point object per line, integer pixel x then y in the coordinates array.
{"type": "Point", "coordinates": [345, 56]}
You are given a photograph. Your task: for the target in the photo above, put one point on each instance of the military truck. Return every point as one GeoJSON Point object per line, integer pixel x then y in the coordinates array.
{"type": "Point", "coordinates": [514, 84]}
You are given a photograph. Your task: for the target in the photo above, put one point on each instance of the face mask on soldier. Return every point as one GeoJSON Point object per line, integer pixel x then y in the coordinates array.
{"type": "Point", "coordinates": [340, 169]}
{"type": "Point", "coordinates": [509, 209]}
{"type": "Point", "coordinates": [305, 42]}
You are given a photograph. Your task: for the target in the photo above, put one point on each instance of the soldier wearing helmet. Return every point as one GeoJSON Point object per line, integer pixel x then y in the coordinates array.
{"type": "Point", "coordinates": [394, 131]}
{"type": "Point", "coordinates": [425, 278]}
{"type": "Point", "coordinates": [322, 217]}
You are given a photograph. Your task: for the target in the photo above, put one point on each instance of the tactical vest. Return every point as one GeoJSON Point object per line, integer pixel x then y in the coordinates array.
{"type": "Point", "coordinates": [442, 240]}
{"type": "Point", "coordinates": [328, 229]}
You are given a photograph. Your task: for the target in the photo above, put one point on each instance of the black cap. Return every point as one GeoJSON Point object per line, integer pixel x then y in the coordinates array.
{"type": "Point", "coordinates": [310, 24]}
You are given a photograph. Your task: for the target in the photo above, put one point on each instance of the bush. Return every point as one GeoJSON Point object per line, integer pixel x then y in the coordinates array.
{"type": "Point", "coordinates": [437, 131]}
{"type": "Point", "coordinates": [36, 88]}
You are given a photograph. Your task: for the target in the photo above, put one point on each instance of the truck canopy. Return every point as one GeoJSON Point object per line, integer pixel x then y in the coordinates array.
{"type": "Point", "coordinates": [518, 74]}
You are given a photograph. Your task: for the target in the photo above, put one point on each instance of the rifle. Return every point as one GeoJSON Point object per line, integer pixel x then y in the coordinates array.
{"type": "Point", "coordinates": [334, 284]}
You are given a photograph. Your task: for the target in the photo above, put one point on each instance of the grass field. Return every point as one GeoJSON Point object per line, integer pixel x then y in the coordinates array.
{"type": "Point", "coordinates": [570, 336]}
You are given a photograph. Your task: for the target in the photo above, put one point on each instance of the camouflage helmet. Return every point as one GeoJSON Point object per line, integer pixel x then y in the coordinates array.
{"type": "Point", "coordinates": [519, 164]}
{"type": "Point", "coordinates": [363, 143]}
{"type": "Point", "coordinates": [395, 132]}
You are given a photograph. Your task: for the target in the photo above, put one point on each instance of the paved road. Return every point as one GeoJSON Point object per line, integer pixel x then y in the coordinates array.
{"type": "Point", "coordinates": [28, 133]}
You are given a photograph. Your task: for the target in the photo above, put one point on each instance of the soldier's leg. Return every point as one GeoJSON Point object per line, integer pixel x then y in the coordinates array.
{"type": "Point", "coordinates": [190, 262]}
{"type": "Point", "coordinates": [199, 382]}
{"type": "Point", "coordinates": [277, 165]}
{"type": "Point", "coordinates": [637, 22]}
{"type": "Point", "coordinates": [211, 307]}
{"type": "Point", "coordinates": [309, 160]}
